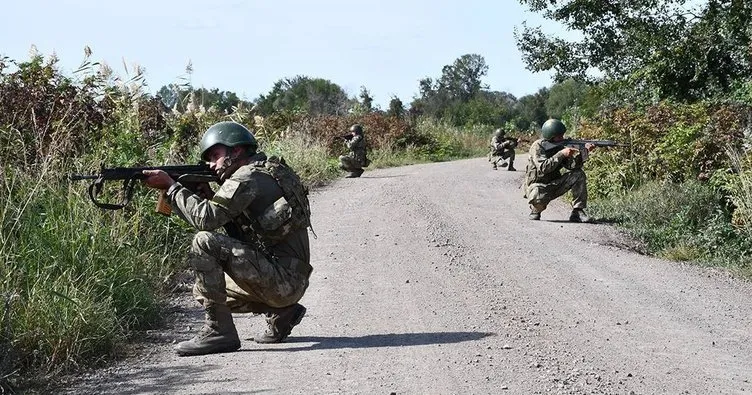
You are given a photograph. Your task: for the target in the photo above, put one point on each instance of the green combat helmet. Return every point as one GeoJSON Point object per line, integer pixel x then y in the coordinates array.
{"type": "Point", "coordinates": [499, 132]}
{"type": "Point", "coordinates": [357, 129]}
{"type": "Point", "coordinates": [230, 134]}
{"type": "Point", "coordinates": [553, 128]}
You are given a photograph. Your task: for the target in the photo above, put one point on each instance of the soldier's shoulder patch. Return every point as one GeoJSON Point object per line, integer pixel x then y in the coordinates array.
{"type": "Point", "coordinates": [226, 192]}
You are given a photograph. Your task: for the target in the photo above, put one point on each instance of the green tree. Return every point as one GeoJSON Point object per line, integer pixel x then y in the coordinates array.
{"type": "Point", "coordinates": [459, 83]}
{"type": "Point", "coordinates": [177, 96]}
{"type": "Point", "coordinates": [174, 95]}
{"type": "Point", "coordinates": [396, 108]}
{"type": "Point", "coordinates": [462, 79]}
{"type": "Point", "coordinates": [565, 96]}
{"type": "Point", "coordinates": [366, 101]}
{"type": "Point", "coordinates": [663, 48]}
{"type": "Point", "coordinates": [315, 96]}
{"type": "Point", "coordinates": [531, 111]}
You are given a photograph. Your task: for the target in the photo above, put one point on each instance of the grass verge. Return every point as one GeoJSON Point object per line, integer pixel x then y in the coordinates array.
{"type": "Point", "coordinates": [685, 222]}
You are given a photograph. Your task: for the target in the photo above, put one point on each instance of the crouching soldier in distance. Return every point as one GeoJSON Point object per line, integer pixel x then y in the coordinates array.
{"type": "Point", "coordinates": [544, 180]}
{"type": "Point", "coordinates": [502, 148]}
{"type": "Point", "coordinates": [261, 264]}
{"type": "Point", "coordinates": [356, 159]}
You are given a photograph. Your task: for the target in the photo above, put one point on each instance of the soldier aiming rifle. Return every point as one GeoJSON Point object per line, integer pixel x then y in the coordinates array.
{"type": "Point", "coordinates": [502, 148]}
{"type": "Point", "coordinates": [555, 167]}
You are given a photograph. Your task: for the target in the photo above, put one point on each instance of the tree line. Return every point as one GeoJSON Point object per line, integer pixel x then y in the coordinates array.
{"type": "Point", "coordinates": [458, 97]}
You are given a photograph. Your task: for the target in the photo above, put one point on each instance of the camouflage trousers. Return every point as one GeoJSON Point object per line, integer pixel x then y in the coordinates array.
{"type": "Point", "coordinates": [539, 195]}
{"type": "Point", "coordinates": [231, 272]}
{"type": "Point", "coordinates": [501, 155]}
{"type": "Point", "coordinates": [348, 163]}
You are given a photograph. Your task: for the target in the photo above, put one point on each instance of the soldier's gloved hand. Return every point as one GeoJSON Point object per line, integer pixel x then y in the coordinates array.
{"type": "Point", "coordinates": [589, 147]}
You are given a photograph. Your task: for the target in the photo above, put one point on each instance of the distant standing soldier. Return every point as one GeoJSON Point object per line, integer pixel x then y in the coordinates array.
{"type": "Point", "coordinates": [356, 159]}
{"type": "Point", "coordinates": [502, 148]}
{"type": "Point", "coordinates": [544, 180]}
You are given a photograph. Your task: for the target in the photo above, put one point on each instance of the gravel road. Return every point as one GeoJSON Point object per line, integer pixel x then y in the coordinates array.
{"type": "Point", "coordinates": [430, 279]}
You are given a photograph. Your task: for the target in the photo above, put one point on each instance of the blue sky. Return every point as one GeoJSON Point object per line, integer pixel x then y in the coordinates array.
{"type": "Point", "coordinates": [245, 46]}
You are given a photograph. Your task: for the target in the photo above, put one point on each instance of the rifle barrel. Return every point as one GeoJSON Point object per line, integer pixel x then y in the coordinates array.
{"type": "Point", "coordinates": [78, 177]}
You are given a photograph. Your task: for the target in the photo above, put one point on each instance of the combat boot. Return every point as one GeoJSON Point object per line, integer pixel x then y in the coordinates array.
{"type": "Point", "coordinates": [355, 173]}
{"type": "Point", "coordinates": [494, 166]}
{"type": "Point", "coordinates": [217, 335]}
{"type": "Point", "coordinates": [280, 323]}
{"type": "Point", "coordinates": [579, 215]}
{"type": "Point", "coordinates": [511, 167]}
{"type": "Point", "coordinates": [536, 210]}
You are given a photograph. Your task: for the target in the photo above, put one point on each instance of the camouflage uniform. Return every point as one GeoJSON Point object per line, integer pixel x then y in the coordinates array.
{"type": "Point", "coordinates": [502, 148]}
{"type": "Point", "coordinates": [356, 159]}
{"type": "Point", "coordinates": [545, 182]}
{"type": "Point", "coordinates": [249, 271]}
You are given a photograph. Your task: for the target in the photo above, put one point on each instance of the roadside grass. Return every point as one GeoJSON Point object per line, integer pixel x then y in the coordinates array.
{"type": "Point", "coordinates": [454, 142]}
{"type": "Point", "coordinates": [82, 279]}
{"type": "Point", "coordinates": [684, 222]}
{"type": "Point", "coordinates": [307, 156]}
{"type": "Point", "coordinates": [445, 143]}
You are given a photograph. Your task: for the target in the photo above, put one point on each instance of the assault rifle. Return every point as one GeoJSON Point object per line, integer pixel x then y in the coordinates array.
{"type": "Point", "coordinates": [512, 140]}
{"type": "Point", "coordinates": [344, 137]}
{"type": "Point", "coordinates": [579, 145]}
{"type": "Point", "coordinates": [188, 175]}
{"type": "Point", "coordinates": [515, 142]}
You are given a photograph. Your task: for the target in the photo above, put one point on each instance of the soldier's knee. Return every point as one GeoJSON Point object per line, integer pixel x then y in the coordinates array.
{"type": "Point", "coordinates": [535, 198]}
{"type": "Point", "coordinates": [203, 243]}
{"type": "Point", "coordinates": [577, 176]}
{"type": "Point", "coordinates": [206, 252]}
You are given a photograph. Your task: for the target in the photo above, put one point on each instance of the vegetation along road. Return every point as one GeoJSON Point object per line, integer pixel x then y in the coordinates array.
{"type": "Point", "coordinates": [431, 279]}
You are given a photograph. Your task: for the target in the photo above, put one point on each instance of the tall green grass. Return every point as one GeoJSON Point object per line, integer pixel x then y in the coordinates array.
{"type": "Point", "coordinates": [84, 278]}
{"type": "Point", "coordinates": [681, 221]}
{"type": "Point", "coordinates": [433, 142]}
{"type": "Point", "coordinates": [306, 155]}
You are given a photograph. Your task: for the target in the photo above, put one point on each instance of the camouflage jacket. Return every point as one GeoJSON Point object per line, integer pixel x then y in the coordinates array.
{"type": "Point", "coordinates": [357, 147]}
{"type": "Point", "coordinates": [500, 143]}
{"type": "Point", "coordinates": [250, 205]}
{"type": "Point", "coordinates": [545, 165]}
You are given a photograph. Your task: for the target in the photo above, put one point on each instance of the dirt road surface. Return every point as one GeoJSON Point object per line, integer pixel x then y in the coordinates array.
{"type": "Point", "coordinates": [430, 279]}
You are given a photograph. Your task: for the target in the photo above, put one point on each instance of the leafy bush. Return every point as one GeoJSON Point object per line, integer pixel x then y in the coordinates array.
{"type": "Point", "coordinates": [670, 142]}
